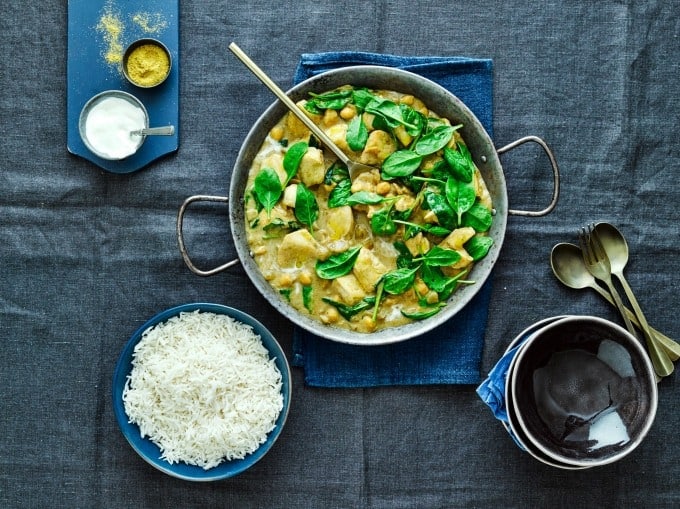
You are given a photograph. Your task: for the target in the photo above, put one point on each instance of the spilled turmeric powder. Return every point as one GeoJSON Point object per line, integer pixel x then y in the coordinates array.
{"type": "Point", "coordinates": [150, 23]}
{"type": "Point", "coordinates": [112, 28]}
{"type": "Point", "coordinates": [147, 65]}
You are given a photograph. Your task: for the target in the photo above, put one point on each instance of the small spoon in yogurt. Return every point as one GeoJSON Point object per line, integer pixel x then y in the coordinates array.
{"type": "Point", "coordinates": [167, 130]}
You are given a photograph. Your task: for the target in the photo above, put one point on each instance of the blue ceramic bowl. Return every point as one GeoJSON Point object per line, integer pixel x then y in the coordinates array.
{"type": "Point", "coordinates": [149, 451]}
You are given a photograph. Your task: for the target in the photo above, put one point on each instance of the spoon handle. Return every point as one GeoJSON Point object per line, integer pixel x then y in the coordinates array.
{"type": "Point", "coordinates": [288, 102]}
{"type": "Point", "coordinates": [671, 347]}
{"type": "Point", "coordinates": [166, 130]}
{"type": "Point", "coordinates": [652, 345]}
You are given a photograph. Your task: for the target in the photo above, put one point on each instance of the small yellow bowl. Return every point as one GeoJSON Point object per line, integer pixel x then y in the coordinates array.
{"type": "Point", "coordinates": [146, 63]}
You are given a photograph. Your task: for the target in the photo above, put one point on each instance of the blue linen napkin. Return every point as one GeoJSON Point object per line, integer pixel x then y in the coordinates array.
{"type": "Point", "coordinates": [492, 389]}
{"type": "Point", "coordinates": [451, 353]}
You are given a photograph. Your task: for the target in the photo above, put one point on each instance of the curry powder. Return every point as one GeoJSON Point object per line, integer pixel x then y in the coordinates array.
{"type": "Point", "coordinates": [148, 65]}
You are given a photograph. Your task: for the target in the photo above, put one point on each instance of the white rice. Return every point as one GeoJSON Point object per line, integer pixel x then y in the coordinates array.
{"type": "Point", "coordinates": [203, 389]}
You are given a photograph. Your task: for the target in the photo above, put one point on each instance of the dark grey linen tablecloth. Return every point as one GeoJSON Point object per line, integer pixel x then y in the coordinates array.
{"type": "Point", "coordinates": [88, 256]}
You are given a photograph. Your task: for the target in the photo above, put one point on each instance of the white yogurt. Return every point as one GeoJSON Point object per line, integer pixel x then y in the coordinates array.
{"type": "Point", "coordinates": [108, 125]}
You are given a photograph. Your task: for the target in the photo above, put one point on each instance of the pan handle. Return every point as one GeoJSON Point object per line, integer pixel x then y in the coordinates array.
{"type": "Point", "coordinates": [180, 235]}
{"type": "Point", "coordinates": [555, 170]}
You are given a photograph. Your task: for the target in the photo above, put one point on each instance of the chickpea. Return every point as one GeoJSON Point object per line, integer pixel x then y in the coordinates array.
{"type": "Point", "coordinates": [259, 250]}
{"type": "Point", "coordinates": [285, 280]}
{"type": "Point", "coordinates": [407, 99]}
{"type": "Point", "coordinates": [368, 324]}
{"type": "Point", "coordinates": [331, 315]}
{"type": "Point", "coordinates": [330, 117]}
{"type": "Point", "coordinates": [305, 278]}
{"type": "Point", "coordinates": [383, 188]}
{"type": "Point", "coordinates": [277, 132]}
{"type": "Point", "coordinates": [432, 297]}
{"type": "Point", "coordinates": [348, 112]}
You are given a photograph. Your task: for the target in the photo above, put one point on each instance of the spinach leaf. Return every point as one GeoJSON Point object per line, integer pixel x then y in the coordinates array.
{"type": "Point", "coordinates": [292, 158]}
{"type": "Point", "coordinates": [333, 100]}
{"type": "Point", "coordinates": [337, 265]}
{"type": "Point", "coordinates": [307, 297]}
{"type": "Point", "coordinates": [285, 293]}
{"type": "Point", "coordinates": [277, 227]}
{"type": "Point", "coordinates": [439, 257]}
{"type": "Point", "coordinates": [347, 312]}
{"type": "Point", "coordinates": [441, 208]}
{"type": "Point", "coordinates": [434, 278]}
{"type": "Point", "coordinates": [336, 173]}
{"type": "Point", "coordinates": [415, 122]}
{"type": "Point", "coordinates": [340, 194]}
{"type": "Point", "coordinates": [426, 313]}
{"type": "Point", "coordinates": [401, 163]}
{"type": "Point", "coordinates": [439, 171]}
{"type": "Point", "coordinates": [460, 162]}
{"type": "Point", "coordinates": [357, 134]}
{"type": "Point", "coordinates": [382, 222]}
{"type": "Point", "coordinates": [404, 258]}
{"type": "Point", "coordinates": [306, 208]}
{"type": "Point", "coordinates": [398, 281]}
{"type": "Point", "coordinates": [433, 229]}
{"type": "Point", "coordinates": [311, 107]}
{"type": "Point", "coordinates": [362, 97]}
{"type": "Point", "coordinates": [479, 217]}
{"type": "Point", "coordinates": [478, 246]}
{"type": "Point", "coordinates": [435, 140]}
{"type": "Point", "coordinates": [388, 110]}
{"type": "Point", "coordinates": [364, 198]}
{"type": "Point", "coordinates": [460, 195]}
{"type": "Point", "coordinates": [267, 188]}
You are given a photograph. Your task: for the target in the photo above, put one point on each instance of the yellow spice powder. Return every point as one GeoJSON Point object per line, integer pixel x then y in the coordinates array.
{"type": "Point", "coordinates": [148, 65]}
{"type": "Point", "coordinates": [150, 23]}
{"type": "Point", "coordinates": [112, 27]}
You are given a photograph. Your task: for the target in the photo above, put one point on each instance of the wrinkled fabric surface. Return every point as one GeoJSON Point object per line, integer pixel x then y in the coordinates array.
{"type": "Point", "coordinates": [451, 353]}
{"type": "Point", "coordinates": [88, 256]}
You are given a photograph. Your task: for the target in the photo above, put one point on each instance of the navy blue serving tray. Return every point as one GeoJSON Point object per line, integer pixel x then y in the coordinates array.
{"type": "Point", "coordinates": [89, 71]}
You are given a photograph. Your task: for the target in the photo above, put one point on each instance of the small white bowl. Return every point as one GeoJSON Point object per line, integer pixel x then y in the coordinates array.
{"type": "Point", "coordinates": [105, 127]}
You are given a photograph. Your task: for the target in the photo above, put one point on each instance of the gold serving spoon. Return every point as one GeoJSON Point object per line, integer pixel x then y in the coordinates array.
{"type": "Point", "coordinates": [354, 167]}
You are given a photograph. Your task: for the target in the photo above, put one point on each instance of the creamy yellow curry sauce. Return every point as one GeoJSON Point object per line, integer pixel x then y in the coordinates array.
{"type": "Point", "coordinates": [385, 248]}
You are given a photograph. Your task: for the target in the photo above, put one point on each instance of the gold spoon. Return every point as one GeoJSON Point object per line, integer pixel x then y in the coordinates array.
{"type": "Point", "coordinates": [567, 265]}
{"type": "Point", "coordinates": [616, 247]}
{"type": "Point", "coordinates": [354, 167]}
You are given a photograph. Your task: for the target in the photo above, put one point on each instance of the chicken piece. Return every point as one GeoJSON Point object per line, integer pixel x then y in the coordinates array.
{"type": "Point", "coordinates": [289, 196]}
{"type": "Point", "coordinates": [465, 260]}
{"type": "Point", "coordinates": [339, 222]}
{"type": "Point", "coordinates": [312, 169]}
{"type": "Point", "coordinates": [481, 190]}
{"type": "Point", "coordinates": [378, 147]}
{"type": "Point", "coordinates": [330, 117]}
{"type": "Point", "coordinates": [298, 247]}
{"type": "Point", "coordinates": [457, 238]}
{"type": "Point", "coordinates": [295, 128]}
{"type": "Point", "coordinates": [279, 213]}
{"type": "Point", "coordinates": [366, 181]}
{"type": "Point", "coordinates": [404, 138]}
{"type": "Point", "coordinates": [349, 289]}
{"type": "Point", "coordinates": [455, 241]}
{"type": "Point", "coordinates": [368, 119]}
{"type": "Point", "coordinates": [338, 135]}
{"type": "Point", "coordinates": [368, 269]}
{"type": "Point", "coordinates": [418, 245]}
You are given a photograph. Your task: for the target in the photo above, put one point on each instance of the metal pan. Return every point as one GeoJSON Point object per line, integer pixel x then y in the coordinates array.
{"type": "Point", "coordinates": [485, 155]}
